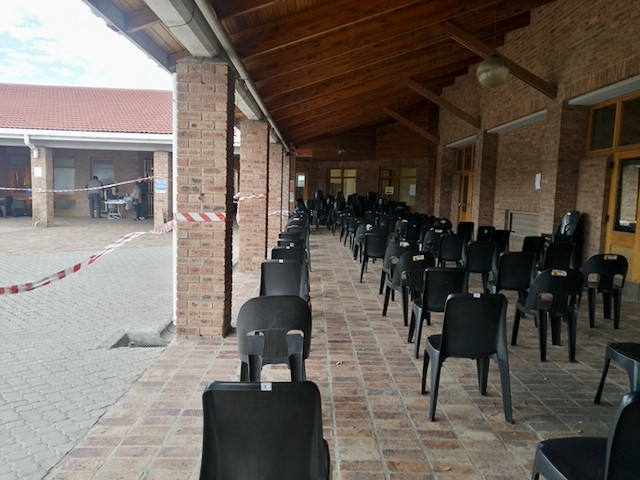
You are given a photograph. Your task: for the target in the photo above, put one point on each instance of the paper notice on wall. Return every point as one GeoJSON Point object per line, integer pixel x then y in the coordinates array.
{"type": "Point", "coordinates": [538, 181]}
{"type": "Point", "coordinates": [37, 172]}
{"type": "Point", "coordinates": [412, 190]}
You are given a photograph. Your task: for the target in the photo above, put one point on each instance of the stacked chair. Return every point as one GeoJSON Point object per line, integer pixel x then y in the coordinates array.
{"type": "Point", "coordinates": [251, 427]}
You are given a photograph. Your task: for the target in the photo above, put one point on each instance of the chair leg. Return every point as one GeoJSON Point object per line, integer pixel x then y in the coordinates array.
{"type": "Point", "coordinates": [542, 334]}
{"type": "Point", "coordinates": [412, 325]}
{"type": "Point", "coordinates": [244, 372]}
{"type": "Point", "coordinates": [572, 327]}
{"type": "Point", "coordinates": [591, 296]}
{"type": "Point", "coordinates": [296, 365]}
{"type": "Point", "coordinates": [435, 383]}
{"type": "Point", "coordinates": [607, 362]}
{"type": "Point", "coordinates": [425, 368]}
{"type": "Point", "coordinates": [382, 275]}
{"type": "Point", "coordinates": [387, 292]}
{"type": "Point", "coordinates": [255, 368]}
{"type": "Point", "coordinates": [505, 382]}
{"type": "Point", "coordinates": [405, 306]}
{"type": "Point", "coordinates": [418, 334]}
{"type": "Point", "coordinates": [483, 374]}
{"type": "Point", "coordinates": [556, 331]}
{"type": "Point", "coordinates": [606, 305]}
{"type": "Point", "coordinates": [363, 267]}
{"type": "Point", "coordinates": [617, 303]}
{"type": "Point", "coordinates": [516, 327]}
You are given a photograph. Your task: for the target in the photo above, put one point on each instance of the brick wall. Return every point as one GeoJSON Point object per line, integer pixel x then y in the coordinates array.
{"type": "Point", "coordinates": [252, 212]}
{"type": "Point", "coordinates": [590, 45]}
{"type": "Point", "coordinates": [274, 197]}
{"type": "Point", "coordinates": [204, 182]}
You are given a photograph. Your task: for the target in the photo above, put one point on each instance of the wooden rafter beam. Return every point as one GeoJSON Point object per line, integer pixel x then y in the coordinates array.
{"type": "Point", "coordinates": [140, 19]}
{"type": "Point", "coordinates": [484, 50]}
{"type": "Point", "coordinates": [409, 124]}
{"type": "Point", "coordinates": [425, 92]}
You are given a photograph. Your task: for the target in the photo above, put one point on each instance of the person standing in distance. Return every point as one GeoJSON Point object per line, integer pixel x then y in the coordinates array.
{"type": "Point", "coordinates": [95, 197]}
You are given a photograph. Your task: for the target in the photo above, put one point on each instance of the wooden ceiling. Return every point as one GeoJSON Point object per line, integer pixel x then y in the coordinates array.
{"type": "Point", "coordinates": [326, 67]}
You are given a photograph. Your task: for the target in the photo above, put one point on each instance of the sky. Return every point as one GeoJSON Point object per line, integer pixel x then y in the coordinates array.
{"type": "Point", "coordinates": [62, 42]}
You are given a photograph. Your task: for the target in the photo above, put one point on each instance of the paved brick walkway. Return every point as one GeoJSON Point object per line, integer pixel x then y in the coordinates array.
{"type": "Point", "coordinates": [150, 426]}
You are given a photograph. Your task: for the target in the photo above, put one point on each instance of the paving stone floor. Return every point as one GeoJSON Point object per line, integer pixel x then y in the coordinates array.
{"type": "Point", "coordinates": [375, 418]}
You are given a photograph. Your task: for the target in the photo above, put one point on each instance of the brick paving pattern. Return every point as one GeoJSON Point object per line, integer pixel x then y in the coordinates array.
{"type": "Point", "coordinates": [376, 421]}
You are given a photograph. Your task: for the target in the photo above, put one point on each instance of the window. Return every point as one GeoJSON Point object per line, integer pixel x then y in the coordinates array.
{"type": "Point", "coordinates": [627, 201]}
{"type": "Point", "coordinates": [398, 184]}
{"type": "Point", "coordinates": [615, 124]}
{"type": "Point", "coordinates": [64, 178]}
{"type": "Point", "coordinates": [342, 180]}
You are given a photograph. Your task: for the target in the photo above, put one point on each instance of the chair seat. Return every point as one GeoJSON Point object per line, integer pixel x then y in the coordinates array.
{"type": "Point", "coordinates": [572, 458]}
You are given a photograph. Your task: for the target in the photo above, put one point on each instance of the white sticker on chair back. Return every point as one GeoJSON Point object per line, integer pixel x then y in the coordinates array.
{"type": "Point", "coordinates": [266, 386]}
{"type": "Point", "coordinates": [558, 273]}
{"type": "Point", "coordinates": [417, 258]}
{"type": "Point", "coordinates": [611, 257]}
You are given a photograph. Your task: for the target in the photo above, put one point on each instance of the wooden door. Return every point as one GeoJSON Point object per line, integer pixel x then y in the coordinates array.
{"type": "Point", "coordinates": [624, 211]}
{"type": "Point", "coordinates": [465, 196]}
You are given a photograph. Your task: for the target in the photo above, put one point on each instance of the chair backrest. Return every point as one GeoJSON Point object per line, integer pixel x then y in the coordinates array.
{"type": "Point", "coordinates": [515, 271]}
{"type": "Point", "coordinates": [375, 244]}
{"type": "Point", "coordinates": [395, 250]}
{"type": "Point", "coordinates": [411, 265]}
{"type": "Point", "coordinates": [622, 459]}
{"type": "Point", "coordinates": [430, 242]}
{"type": "Point", "coordinates": [474, 325]}
{"type": "Point", "coordinates": [484, 232]}
{"type": "Point", "coordinates": [290, 235]}
{"type": "Point", "coordinates": [501, 237]}
{"type": "Point", "coordinates": [413, 231]}
{"type": "Point", "coordinates": [563, 286]}
{"type": "Point", "coordinates": [439, 283]}
{"type": "Point", "coordinates": [283, 277]}
{"type": "Point", "coordinates": [266, 431]}
{"type": "Point", "coordinates": [609, 270]}
{"type": "Point", "coordinates": [481, 256]}
{"type": "Point", "coordinates": [466, 229]}
{"type": "Point", "coordinates": [289, 253]}
{"type": "Point", "coordinates": [569, 223]}
{"type": "Point", "coordinates": [274, 318]}
{"type": "Point", "coordinates": [558, 255]}
{"type": "Point", "coordinates": [533, 244]}
{"type": "Point", "coordinates": [451, 247]}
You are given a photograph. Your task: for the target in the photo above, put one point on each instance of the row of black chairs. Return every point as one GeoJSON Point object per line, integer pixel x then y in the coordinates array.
{"type": "Point", "coordinates": [252, 428]}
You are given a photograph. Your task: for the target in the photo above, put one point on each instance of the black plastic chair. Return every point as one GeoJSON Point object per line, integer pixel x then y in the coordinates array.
{"type": "Point", "coordinates": [375, 246]}
{"type": "Point", "coordinates": [409, 264]}
{"type": "Point", "coordinates": [484, 232]}
{"type": "Point", "coordinates": [558, 255]}
{"type": "Point", "coordinates": [437, 284]}
{"type": "Point", "coordinates": [474, 326]}
{"type": "Point", "coordinates": [466, 229]}
{"type": "Point", "coordinates": [501, 237]}
{"type": "Point", "coordinates": [481, 258]}
{"type": "Point", "coordinates": [535, 245]}
{"type": "Point", "coordinates": [450, 249]}
{"type": "Point", "coordinates": [358, 239]}
{"type": "Point", "coordinates": [284, 277]}
{"type": "Point", "coordinates": [393, 252]}
{"type": "Point", "coordinates": [605, 274]}
{"type": "Point", "coordinates": [273, 330]}
{"type": "Point", "coordinates": [595, 458]}
{"type": "Point", "coordinates": [263, 431]}
{"type": "Point", "coordinates": [628, 356]}
{"type": "Point", "coordinates": [430, 242]}
{"type": "Point", "coordinates": [514, 273]}
{"type": "Point", "coordinates": [553, 296]}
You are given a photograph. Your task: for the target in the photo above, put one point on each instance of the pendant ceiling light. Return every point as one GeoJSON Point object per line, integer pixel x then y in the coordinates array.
{"type": "Point", "coordinates": [492, 72]}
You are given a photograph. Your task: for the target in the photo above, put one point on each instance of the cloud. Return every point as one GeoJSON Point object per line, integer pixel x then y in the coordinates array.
{"type": "Point", "coordinates": [63, 43]}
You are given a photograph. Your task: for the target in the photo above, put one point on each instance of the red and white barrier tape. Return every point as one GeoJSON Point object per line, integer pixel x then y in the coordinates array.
{"type": "Point", "coordinates": [201, 217]}
{"type": "Point", "coordinates": [103, 187]}
{"type": "Point", "coordinates": [61, 275]}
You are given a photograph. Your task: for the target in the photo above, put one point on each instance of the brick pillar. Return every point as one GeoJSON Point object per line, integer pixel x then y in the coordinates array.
{"type": "Point", "coordinates": [484, 181]}
{"type": "Point", "coordinates": [444, 182]}
{"type": "Point", "coordinates": [162, 188]}
{"type": "Point", "coordinates": [204, 183]}
{"type": "Point", "coordinates": [252, 212]}
{"type": "Point", "coordinates": [42, 186]}
{"type": "Point", "coordinates": [293, 163]}
{"type": "Point", "coordinates": [276, 185]}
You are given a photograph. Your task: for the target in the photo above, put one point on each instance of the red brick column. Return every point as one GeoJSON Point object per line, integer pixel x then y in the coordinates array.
{"type": "Point", "coordinates": [252, 204]}
{"type": "Point", "coordinates": [162, 188]}
{"type": "Point", "coordinates": [276, 185]}
{"type": "Point", "coordinates": [286, 186]}
{"type": "Point", "coordinates": [293, 163]}
{"type": "Point", "coordinates": [204, 183]}
{"type": "Point", "coordinates": [41, 183]}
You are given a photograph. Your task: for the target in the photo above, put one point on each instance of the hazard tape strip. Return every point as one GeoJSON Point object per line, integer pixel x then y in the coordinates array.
{"type": "Point", "coordinates": [201, 217]}
{"type": "Point", "coordinates": [62, 274]}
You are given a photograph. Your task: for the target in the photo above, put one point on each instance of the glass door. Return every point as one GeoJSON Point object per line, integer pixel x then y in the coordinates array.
{"type": "Point", "coordinates": [622, 218]}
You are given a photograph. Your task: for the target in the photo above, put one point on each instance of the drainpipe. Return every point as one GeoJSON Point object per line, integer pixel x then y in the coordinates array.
{"type": "Point", "coordinates": [32, 147]}
{"type": "Point", "coordinates": [220, 34]}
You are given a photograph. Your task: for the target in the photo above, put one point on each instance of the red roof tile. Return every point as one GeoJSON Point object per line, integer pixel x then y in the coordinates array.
{"type": "Point", "coordinates": [82, 109]}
